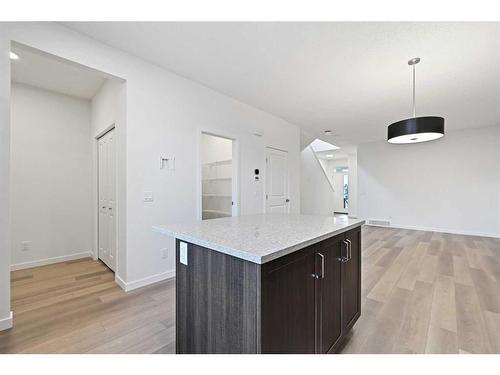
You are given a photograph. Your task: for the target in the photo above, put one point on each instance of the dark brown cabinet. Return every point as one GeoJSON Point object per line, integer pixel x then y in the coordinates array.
{"type": "Point", "coordinates": [304, 302]}
{"type": "Point", "coordinates": [287, 300]}
{"type": "Point", "coordinates": [328, 294]}
{"type": "Point", "coordinates": [351, 280]}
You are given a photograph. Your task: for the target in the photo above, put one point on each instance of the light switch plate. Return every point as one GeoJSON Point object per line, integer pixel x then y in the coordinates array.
{"type": "Point", "coordinates": [148, 196]}
{"type": "Point", "coordinates": [183, 253]}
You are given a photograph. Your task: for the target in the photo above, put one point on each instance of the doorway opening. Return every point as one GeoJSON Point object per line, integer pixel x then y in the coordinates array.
{"type": "Point", "coordinates": [341, 184]}
{"type": "Point", "coordinates": [218, 177]}
{"type": "Point", "coordinates": [61, 112]}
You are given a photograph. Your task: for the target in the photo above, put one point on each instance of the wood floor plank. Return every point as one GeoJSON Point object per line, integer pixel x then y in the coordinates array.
{"type": "Point", "coordinates": [492, 321]}
{"type": "Point", "coordinates": [461, 271]}
{"type": "Point", "coordinates": [129, 339]}
{"type": "Point", "coordinates": [389, 256]}
{"type": "Point", "coordinates": [382, 290]}
{"type": "Point", "coordinates": [412, 270]}
{"type": "Point", "coordinates": [412, 336]}
{"type": "Point", "coordinates": [487, 290]}
{"type": "Point", "coordinates": [443, 310]}
{"type": "Point", "coordinates": [445, 264]}
{"type": "Point", "coordinates": [471, 328]}
{"type": "Point", "coordinates": [153, 343]}
{"type": "Point", "coordinates": [441, 341]}
{"type": "Point", "coordinates": [428, 269]}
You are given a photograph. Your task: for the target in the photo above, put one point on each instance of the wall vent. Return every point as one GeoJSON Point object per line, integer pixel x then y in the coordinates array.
{"type": "Point", "coordinates": [378, 222]}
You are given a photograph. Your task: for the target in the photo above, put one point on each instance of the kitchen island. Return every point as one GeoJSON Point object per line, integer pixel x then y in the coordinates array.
{"type": "Point", "coordinates": [269, 283]}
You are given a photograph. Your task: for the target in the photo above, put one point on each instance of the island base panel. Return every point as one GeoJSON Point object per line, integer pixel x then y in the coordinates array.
{"type": "Point", "coordinates": [304, 302]}
{"type": "Point", "coordinates": [217, 303]}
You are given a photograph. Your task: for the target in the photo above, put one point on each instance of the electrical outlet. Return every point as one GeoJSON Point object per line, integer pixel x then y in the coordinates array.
{"type": "Point", "coordinates": [25, 246]}
{"type": "Point", "coordinates": [164, 253]}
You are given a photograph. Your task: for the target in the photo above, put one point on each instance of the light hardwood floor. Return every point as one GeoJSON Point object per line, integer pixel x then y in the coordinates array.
{"type": "Point", "coordinates": [76, 307]}
{"type": "Point", "coordinates": [422, 292]}
{"type": "Point", "coordinates": [428, 292]}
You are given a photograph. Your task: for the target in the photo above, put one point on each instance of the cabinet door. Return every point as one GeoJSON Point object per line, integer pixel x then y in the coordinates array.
{"type": "Point", "coordinates": [288, 304]}
{"type": "Point", "coordinates": [351, 281]}
{"type": "Point", "coordinates": [328, 294]}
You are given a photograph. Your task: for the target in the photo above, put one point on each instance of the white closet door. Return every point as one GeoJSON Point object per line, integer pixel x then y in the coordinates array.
{"type": "Point", "coordinates": [107, 231]}
{"type": "Point", "coordinates": [277, 181]}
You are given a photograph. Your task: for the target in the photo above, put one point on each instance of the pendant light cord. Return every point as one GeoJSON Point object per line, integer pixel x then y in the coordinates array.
{"type": "Point", "coordinates": [414, 110]}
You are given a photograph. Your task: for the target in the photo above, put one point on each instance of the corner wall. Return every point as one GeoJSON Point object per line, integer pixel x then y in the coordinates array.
{"type": "Point", "coordinates": [51, 165]}
{"type": "Point", "coordinates": [5, 253]}
{"type": "Point", "coordinates": [316, 194]}
{"type": "Point", "coordinates": [449, 185]}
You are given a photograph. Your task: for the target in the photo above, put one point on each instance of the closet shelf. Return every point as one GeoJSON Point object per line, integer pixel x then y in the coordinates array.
{"type": "Point", "coordinates": [218, 179]}
{"type": "Point", "coordinates": [219, 162]}
{"type": "Point", "coordinates": [218, 212]}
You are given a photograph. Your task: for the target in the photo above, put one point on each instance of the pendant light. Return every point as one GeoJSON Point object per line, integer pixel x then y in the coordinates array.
{"type": "Point", "coordinates": [415, 129]}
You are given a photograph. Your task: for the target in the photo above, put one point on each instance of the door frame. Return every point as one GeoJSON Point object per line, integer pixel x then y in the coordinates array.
{"type": "Point", "coordinates": [99, 135]}
{"type": "Point", "coordinates": [265, 176]}
{"type": "Point", "coordinates": [235, 189]}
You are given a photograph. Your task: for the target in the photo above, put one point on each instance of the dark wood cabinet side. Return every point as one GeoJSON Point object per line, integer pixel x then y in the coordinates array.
{"type": "Point", "coordinates": [217, 303]}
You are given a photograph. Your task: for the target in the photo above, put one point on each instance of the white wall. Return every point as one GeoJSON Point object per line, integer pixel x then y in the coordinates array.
{"type": "Point", "coordinates": [450, 185]}
{"type": "Point", "coordinates": [51, 163]}
{"type": "Point", "coordinates": [165, 114]}
{"type": "Point", "coordinates": [352, 164]}
{"type": "Point", "coordinates": [5, 253]}
{"type": "Point", "coordinates": [316, 194]}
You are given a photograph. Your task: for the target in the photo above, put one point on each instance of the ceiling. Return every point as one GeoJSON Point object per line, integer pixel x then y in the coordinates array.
{"type": "Point", "coordinates": [352, 78]}
{"type": "Point", "coordinates": [51, 73]}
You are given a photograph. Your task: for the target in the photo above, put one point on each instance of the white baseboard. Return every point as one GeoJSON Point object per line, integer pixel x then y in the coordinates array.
{"type": "Point", "coordinates": [6, 323]}
{"type": "Point", "coordinates": [122, 284]}
{"type": "Point", "coordinates": [439, 230]}
{"type": "Point", "coordinates": [128, 286]}
{"type": "Point", "coordinates": [44, 262]}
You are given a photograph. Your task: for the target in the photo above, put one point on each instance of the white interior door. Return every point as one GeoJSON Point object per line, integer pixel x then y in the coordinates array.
{"type": "Point", "coordinates": [277, 199]}
{"type": "Point", "coordinates": [106, 189]}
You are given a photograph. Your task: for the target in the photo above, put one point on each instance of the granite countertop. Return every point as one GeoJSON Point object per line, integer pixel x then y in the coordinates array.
{"type": "Point", "coordinates": [259, 238]}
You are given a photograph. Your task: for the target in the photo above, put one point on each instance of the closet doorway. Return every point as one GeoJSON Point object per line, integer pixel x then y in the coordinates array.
{"type": "Point", "coordinates": [106, 157]}
{"type": "Point", "coordinates": [218, 182]}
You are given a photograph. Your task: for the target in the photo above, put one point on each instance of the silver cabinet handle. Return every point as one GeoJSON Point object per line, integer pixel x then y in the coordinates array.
{"type": "Point", "coordinates": [345, 258]}
{"type": "Point", "coordinates": [322, 276]}
{"type": "Point", "coordinates": [349, 249]}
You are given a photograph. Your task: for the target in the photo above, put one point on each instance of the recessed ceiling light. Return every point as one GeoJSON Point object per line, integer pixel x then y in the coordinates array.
{"type": "Point", "coordinates": [13, 56]}
{"type": "Point", "coordinates": [328, 132]}
{"type": "Point", "coordinates": [329, 156]}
